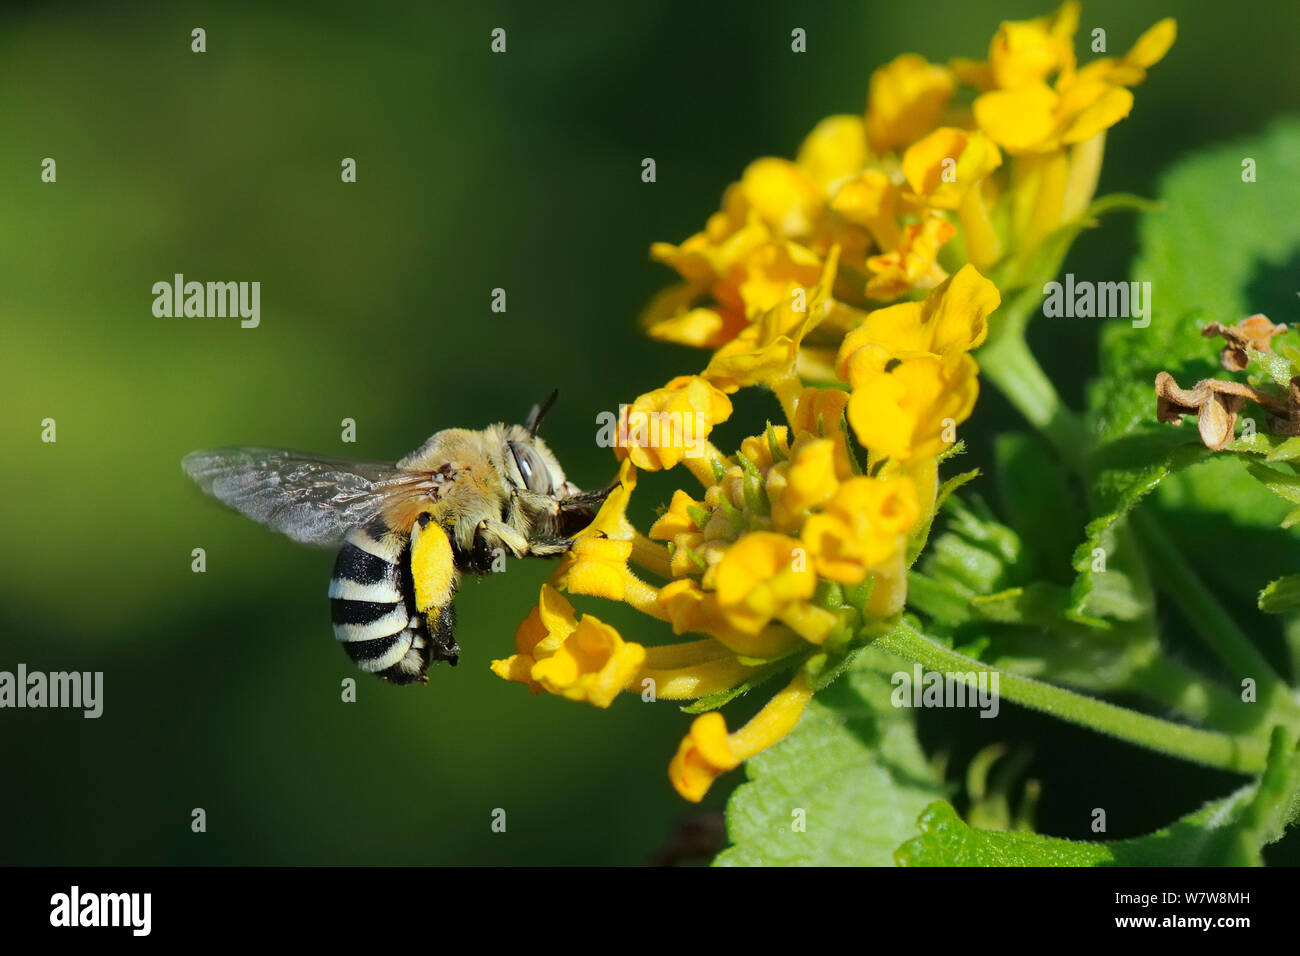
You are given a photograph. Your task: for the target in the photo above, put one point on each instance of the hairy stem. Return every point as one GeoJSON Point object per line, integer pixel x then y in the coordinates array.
{"type": "Point", "coordinates": [1243, 754]}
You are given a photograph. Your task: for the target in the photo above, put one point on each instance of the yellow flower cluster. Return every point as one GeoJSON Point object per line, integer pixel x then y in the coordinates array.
{"type": "Point", "coordinates": [920, 184]}
{"type": "Point", "coordinates": [787, 556]}
{"type": "Point", "coordinates": [793, 552]}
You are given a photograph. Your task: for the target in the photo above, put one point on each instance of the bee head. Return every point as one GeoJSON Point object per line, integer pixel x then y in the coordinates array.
{"type": "Point", "coordinates": [529, 464]}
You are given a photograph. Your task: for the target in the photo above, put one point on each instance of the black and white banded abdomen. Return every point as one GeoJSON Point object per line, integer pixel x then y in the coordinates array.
{"type": "Point", "coordinates": [372, 605]}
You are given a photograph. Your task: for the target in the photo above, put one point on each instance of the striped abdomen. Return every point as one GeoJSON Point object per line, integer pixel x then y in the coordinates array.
{"type": "Point", "coordinates": [372, 604]}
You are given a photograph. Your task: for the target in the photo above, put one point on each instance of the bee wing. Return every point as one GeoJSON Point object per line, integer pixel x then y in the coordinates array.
{"type": "Point", "coordinates": [312, 499]}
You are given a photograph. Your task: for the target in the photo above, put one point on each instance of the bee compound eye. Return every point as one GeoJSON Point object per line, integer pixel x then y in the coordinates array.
{"type": "Point", "coordinates": [532, 469]}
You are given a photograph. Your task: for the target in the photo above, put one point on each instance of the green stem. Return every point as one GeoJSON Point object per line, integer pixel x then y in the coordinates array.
{"type": "Point", "coordinates": [1237, 753]}
{"type": "Point", "coordinates": [1007, 361]}
{"type": "Point", "coordinates": [1179, 687]}
{"type": "Point", "coordinates": [1207, 617]}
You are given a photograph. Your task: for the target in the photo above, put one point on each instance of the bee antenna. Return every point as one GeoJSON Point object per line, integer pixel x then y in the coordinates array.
{"type": "Point", "coordinates": [539, 412]}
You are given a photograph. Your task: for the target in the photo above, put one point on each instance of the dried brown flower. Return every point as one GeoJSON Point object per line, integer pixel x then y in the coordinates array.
{"type": "Point", "coordinates": [1256, 332]}
{"type": "Point", "coordinates": [1216, 403]}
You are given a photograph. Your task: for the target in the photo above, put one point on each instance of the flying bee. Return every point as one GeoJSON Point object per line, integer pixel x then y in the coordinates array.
{"type": "Point", "coordinates": [407, 531]}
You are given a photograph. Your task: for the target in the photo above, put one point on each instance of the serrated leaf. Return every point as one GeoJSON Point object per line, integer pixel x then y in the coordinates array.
{"type": "Point", "coordinates": [1283, 484]}
{"type": "Point", "coordinates": [1128, 470]}
{"type": "Point", "coordinates": [1285, 451]}
{"type": "Point", "coordinates": [1227, 832]}
{"type": "Point", "coordinates": [1281, 595]}
{"type": "Point", "coordinates": [1219, 250]}
{"type": "Point", "coordinates": [1277, 368]}
{"type": "Point", "coordinates": [852, 766]}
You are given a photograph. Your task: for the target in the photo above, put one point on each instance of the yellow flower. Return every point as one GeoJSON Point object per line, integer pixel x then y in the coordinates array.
{"type": "Point", "coordinates": [597, 566]}
{"type": "Point", "coordinates": [691, 609]}
{"type": "Point", "coordinates": [1131, 69]}
{"type": "Point", "coordinates": [907, 408]}
{"type": "Point", "coordinates": [952, 319]}
{"type": "Point", "coordinates": [662, 427]}
{"type": "Point", "coordinates": [767, 350]}
{"type": "Point", "coordinates": [833, 151]}
{"type": "Point", "coordinates": [863, 526]}
{"type": "Point", "coordinates": [947, 163]}
{"type": "Point", "coordinates": [770, 273]}
{"type": "Point", "coordinates": [677, 519]}
{"type": "Point", "coordinates": [581, 660]}
{"type": "Point", "coordinates": [761, 575]}
{"type": "Point", "coordinates": [871, 200]}
{"type": "Point", "coordinates": [708, 750]}
{"type": "Point", "coordinates": [809, 481]}
{"type": "Point", "coordinates": [759, 450]}
{"type": "Point", "coordinates": [912, 264]}
{"type": "Point", "coordinates": [673, 316]}
{"type": "Point", "coordinates": [1028, 116]}
{"type": "Point", "coordinates": [782, 196]}
{"type": "Point", "coordinates": [1038, 119]}
{"type": "Point", "coordinates": [1030, 51]}
{"type": "Point", "coordinates": [905, 100]}
{"type": "Point", "coordinates": [593, 664]}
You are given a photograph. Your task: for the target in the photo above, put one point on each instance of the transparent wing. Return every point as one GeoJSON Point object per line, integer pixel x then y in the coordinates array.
{"type": "Point", "coordinates": [311, 499]}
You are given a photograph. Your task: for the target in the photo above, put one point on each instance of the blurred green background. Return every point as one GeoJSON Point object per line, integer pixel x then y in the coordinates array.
{"type": "Point", "coordinates": [474, 171]}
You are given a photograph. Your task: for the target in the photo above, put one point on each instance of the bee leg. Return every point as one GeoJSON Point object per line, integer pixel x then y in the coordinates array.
{"type": "Point", "coordinates": [494, 537]}
{"type": "Point", "coordinates": [442, 633]}
{"type": "Point", "coordinates": [588, 499]}
{"type": "Point", "coordinates": [579, 510]}
{"type": "Point", "coordinates": [491, 535]}
{"type": "Point", "coordinates": [549, 547]}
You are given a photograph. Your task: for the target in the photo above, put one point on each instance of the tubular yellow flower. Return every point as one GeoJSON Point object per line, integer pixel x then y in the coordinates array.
{"type": "Point", "coordinates": [766, 351]}
{"type": "Point", "coordinates": [833, 151]}
{"type": "Point", "coordinates": [663, 427]}
{"type": "Point", "coordinates": [1038, 119]}
{"type": "Point", "coordinates": [592, 664]}
{"type": "Point", "coordinates": [597, 566]}
{"type": "Point", "coordinates": [809, 481]}
{"type": "Point", "coordinates": [952, 319]}
{"type": "Point", "coordinates": [1131, 69]}
{"type": "Point", "coordinates": [905, 100]}
{"type": "Point", "coordinates": [913, 264]}
{"type": "Point", "coordinates": [691, 609]}
{"type": "Point", "coordinates": [1030, 51]}
{"type": "Point", "coordinates": [872, 201]}
{"type": "Point", "coordinates": [905, 410]}
{"type": "Point", "coordinates": [708, 750]}
{"type": "Point", "coordinates": [672, 316]}
{"type": "Point", "coordinates": [820, 411]}
{"type": "Point", "coordinates": [581, 660]}
{"type": "Point", "coordinates": [863, 527]}
{"type": "Point", "coordinates": [760, 576]}
{"type": "Point", "coordinates": [947, 170]}
{"type": "Point", "coordinates": [770, 273]}
{"type": "Point", "coordinates": [677, 519]}
{"type": "Point", "coordinates": [947, 163]}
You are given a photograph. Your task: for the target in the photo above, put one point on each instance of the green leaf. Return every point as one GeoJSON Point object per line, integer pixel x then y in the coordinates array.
{"type": "Point", "coordinates": [1037, 502]}
{"type": "Point", "coordinates": [1285, 451]}
{"type": "Point", "coordinates": [1127, 471]}
{"type": "Point", "coordinates": [1219, 250]}
{"type": "Point", "coordinates": [1285, 485]}
{"type": "Point", "coordinates": [1281, 595]}
{"type": "Point", "coordinates": [916, 544]}
{"type": "Point", "coordinates": [1227, 832]}
{"type": "Point", "coordinates": [853, 767]}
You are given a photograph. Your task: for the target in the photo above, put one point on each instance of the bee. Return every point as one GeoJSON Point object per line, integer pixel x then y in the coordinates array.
{"type": "Point", "coordinates": [407, 531]}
